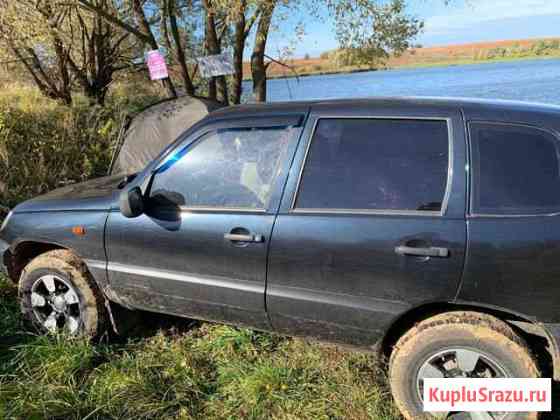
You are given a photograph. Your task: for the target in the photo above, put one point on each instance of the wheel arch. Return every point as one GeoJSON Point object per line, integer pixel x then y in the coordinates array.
{"type": "Point", "coordinates": [537, 336]}
{"type": "Point", "coordinates": [23, 252]}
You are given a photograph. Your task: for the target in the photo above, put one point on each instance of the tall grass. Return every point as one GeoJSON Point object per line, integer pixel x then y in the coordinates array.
{"type": "Point", "coordinates": [44, 144]}
{"type": "Point", "coordinates": [204, 372]}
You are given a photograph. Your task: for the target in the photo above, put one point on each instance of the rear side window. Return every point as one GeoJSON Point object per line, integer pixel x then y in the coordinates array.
{"type": "Point", "coordinates": [376, 164]}
{"type": "Point", "coordinates": [515, 170]}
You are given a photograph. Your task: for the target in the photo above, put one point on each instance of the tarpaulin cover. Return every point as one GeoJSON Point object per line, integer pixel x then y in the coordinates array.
{"type": "Point", "coordinates": [156, 127]}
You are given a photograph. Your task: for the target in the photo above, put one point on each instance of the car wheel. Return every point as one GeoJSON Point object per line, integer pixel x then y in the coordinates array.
{"type": "Point", "coordinates": [58, 295]}
{"type": "Point", "coordinates": [457, 344]}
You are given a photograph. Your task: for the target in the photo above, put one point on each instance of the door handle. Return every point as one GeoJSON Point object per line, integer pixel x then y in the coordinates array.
{"type": "Point", "coordinates": [236, 237]}
{"type": "Point", "coordinates": [423, 252]}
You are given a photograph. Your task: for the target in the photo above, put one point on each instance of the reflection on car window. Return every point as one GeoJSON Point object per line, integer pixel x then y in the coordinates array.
{"type": "Point", "coordinates": [516, 170]}
{"type": "Point", "coordinates": [376, 164]}
{"type": "Point", "coordinates": [233, 168]}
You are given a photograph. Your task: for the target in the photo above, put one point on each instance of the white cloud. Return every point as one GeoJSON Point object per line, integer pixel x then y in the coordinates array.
{"type": "Point", "coordinates": [476, 11]}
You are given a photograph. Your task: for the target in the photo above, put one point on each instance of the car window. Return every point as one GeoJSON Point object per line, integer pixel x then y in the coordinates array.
{"type": "Point", "coordinates": [376, 164]}
{"type": "Point", "coordinates": [515, 170]}
{"type": "Point", "coordinates": [233, 168]}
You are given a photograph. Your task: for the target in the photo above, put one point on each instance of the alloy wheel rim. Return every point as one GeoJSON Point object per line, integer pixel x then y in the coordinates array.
{"type": "Point", "coordinates": [461, 363]}
{"type": "Point", "coordinates": [56, 304]}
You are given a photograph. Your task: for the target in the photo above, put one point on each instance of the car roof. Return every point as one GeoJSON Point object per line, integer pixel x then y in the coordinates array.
{"type": "Point", "coordinates": [472, 108]}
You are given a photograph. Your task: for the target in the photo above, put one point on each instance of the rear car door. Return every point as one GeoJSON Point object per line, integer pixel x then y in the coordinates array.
{"type": "Point", "coordinates": [514, 219]}
{"type": "Point", "coordinates": [372, 223]}
{"type": "Point", "coordinates": [200, 250]}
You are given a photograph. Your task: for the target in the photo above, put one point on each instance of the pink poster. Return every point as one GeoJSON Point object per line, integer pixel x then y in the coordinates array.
{"type": "Point", "coordinates": [156, 65]}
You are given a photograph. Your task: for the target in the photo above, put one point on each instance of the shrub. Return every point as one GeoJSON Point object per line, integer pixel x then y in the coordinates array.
{"type": "Point", "coordinates": [44, 144]}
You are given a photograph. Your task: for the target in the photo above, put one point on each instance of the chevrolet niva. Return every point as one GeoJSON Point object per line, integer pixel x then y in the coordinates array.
{"type": "Point", "coordinates": [427, 230]}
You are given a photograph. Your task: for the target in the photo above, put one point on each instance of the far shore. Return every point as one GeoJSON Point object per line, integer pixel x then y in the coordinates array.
{"type": "Point", "coordinates": [351, 70]}
{"type": "Point", "coordinates": [442, 56]}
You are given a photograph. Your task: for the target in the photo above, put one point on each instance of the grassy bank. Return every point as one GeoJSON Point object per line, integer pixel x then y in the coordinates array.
{"type": "Point", "coordinates": [452, 55]}
{"type": "Point", "coordinates": [470, 61]}
{"type": "Point", "coordinates": [177, 370]}
{"type": "Point", "coordinates": [444, 63]}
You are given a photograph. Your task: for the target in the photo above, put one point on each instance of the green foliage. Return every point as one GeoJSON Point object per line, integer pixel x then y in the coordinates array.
{"type": "Point", "coordinates": [369, 31]}
{"type": "Point", "coordinates": [539, 48]}
{"type": "Point", "coordinates": [44, 144]}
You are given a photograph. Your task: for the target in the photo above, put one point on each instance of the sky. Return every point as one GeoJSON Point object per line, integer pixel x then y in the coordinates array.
{"type": "Point", "coordinates": [462, 21]}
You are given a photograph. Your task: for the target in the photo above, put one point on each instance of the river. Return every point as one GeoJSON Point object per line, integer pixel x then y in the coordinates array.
{"type": "Point", "coordinates": [527, 80]}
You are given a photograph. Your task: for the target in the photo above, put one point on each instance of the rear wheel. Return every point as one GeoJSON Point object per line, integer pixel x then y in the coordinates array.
{"type": "Point", "coordinates": [58, 295]}
{"type": "Point", "coordinates": [457, 345]}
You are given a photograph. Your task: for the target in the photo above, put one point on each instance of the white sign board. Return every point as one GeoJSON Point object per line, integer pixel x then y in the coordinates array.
{"type": "Point", "coordinates": [216, 65]}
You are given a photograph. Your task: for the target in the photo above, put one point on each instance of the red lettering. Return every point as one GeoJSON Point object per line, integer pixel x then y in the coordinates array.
{"type": "Point", "coordinates": [433, 394]}
{"type": "Point", "coordinates": [483, 396]}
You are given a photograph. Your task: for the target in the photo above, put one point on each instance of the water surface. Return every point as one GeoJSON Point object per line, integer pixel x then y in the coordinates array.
{"type": "Point", "coordinates": [527, 80]}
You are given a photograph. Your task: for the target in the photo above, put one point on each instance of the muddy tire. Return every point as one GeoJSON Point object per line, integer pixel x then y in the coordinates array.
{"type": "Point", "coordinates": [465, 343]}
{"type": "Point", "coordinates": [57, 294]}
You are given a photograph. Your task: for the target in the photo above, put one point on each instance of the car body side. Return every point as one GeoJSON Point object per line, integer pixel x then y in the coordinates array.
{"type": "Point", "coordinates": [525, 293]}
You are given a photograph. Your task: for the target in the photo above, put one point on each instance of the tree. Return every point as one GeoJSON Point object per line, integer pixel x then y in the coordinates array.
{"type": "Point", "coordinates": [171, 12]}
{"type": "Point", "coordinates": [62, 47]}
{"type": "Point", "coordinates": [38, 46]}
{"type": "Point", "coordinates": [241, 15]}
{"type": "Point", "coordinates": [365, 29]}
{"type": "Point", "coordinates": [97, 51]}
{"type": "Point", "coordinates": [141, 28]}
{"type": "Point", "coordinates": [258, 65]}
{"type": "Point", "coordinates": [369, 30]}
{"type": "Point", "coordinates": [217, 85]}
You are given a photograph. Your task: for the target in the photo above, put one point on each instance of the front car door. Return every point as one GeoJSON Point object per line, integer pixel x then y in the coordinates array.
{"type": "Point", "coordinates": [373, 220]}
{"type": "Point", "coordinates": [200, 250]}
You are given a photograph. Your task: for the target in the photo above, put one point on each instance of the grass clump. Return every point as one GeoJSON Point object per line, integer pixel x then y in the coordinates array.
{"type": "Point", "coordinates": [160, 377]}
{"type": "Point", "coordinates": [45, 378]}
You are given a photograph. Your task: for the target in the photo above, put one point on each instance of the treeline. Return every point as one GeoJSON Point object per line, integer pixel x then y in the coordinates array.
{"type": "Point", "coordinates": [539, 48]}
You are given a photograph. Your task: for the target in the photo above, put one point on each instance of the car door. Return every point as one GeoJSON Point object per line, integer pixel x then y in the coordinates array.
{"type": "Point", "coordinates": [514, 219]}
{"type": "Point", "coordinates": [200, 248]}
{"type": "Point", "coordinates": [372, 223]}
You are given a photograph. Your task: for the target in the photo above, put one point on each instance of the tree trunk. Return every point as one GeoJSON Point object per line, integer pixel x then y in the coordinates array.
{"type": "Point", "coordinates": [238, 48]}
{"type": "Point", "coordinates": [61, 59]}
{"type": "Point", "coordinates": [61, 83]}
{"type": "Point", "coordinates": [179, 51]}
{"type": "Point", "coordinates": [95, 66]}
{"type": "Point", "coordinates": [145, 28]}
{"type": "Point", "coordinates": [258, 66]}
{"type": "Point", "coordinates": [213, 45]}
{"type": "Point", "coordinates": [43, 82]}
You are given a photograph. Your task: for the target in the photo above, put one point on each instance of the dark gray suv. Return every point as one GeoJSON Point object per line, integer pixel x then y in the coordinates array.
{"type": "Point", "coordinates": [427, 230]}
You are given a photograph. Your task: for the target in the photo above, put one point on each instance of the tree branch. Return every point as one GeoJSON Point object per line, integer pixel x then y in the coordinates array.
{"type": "Point", "coordinates": [113, 20]}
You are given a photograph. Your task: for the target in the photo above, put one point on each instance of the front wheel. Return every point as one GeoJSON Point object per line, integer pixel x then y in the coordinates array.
{"type": "Point", "coordinates": [457, 345]}
{"type": "Point", "coordinates": [58, 295]}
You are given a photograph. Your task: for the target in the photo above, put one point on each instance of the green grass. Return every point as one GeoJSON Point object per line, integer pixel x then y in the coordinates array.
{"type": "Point", "coordinates": [206, 371]}
{"type": "Point", "coordinates": [469, 61]}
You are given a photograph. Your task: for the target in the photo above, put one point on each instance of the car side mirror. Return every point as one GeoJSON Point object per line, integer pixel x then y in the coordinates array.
{"type": "Point", "coordinates": [131, 203]}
